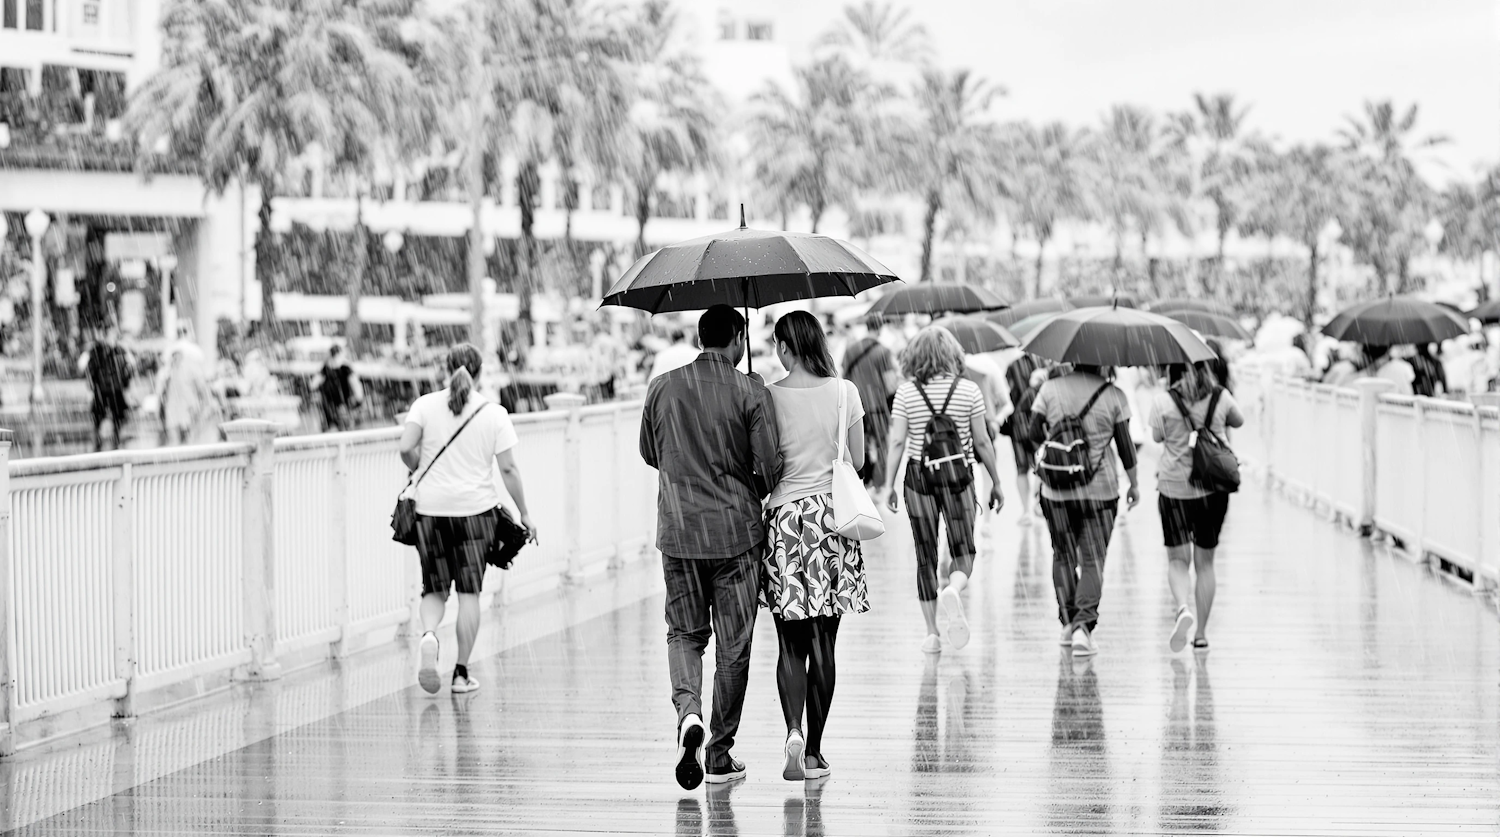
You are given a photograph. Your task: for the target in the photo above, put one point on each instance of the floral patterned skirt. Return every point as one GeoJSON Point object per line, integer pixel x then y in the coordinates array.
{"type": "Point", "coordinates": [808, 569]}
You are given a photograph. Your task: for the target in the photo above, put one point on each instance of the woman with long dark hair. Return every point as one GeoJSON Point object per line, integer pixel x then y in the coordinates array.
{"type": "Point", "coordinates": [1191, 517]}
{"type": "Point", "coordinates": [457, 503]}
{"type": "Point", "coordinates": [811, 575]}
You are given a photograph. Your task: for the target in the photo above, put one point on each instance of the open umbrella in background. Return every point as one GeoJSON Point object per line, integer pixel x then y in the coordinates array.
{"type": "Point", "coordinates": [1395, 321]}
{"type": "Point", "coordinates": [1026, 326]}
{"type": "Point", "coordinates": [1116, 337]}
{"type": "Point", "coordinates": [935, 298]}
{"type": "Point", "coordinates": [978, 336]}
{"type": "Point", "coordinates": [1118, 300]}
{"type": "Point", "coordinates": [1487, 313]}
{"type": "Point", "coordinates": [1172, 306]}
{"type": "Point", "coordinates": [1209, 325]}
{"type": "Point", "coordinates": [1021, 310]}
{"type": "Point", "coordinates": [746, 268]}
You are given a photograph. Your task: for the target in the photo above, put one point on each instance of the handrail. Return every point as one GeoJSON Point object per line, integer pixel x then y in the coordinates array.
{"type": "Point", "coordinates": [48, 465]}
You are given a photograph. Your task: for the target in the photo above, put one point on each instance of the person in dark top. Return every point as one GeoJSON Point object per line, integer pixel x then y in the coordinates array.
{"type": "Point", "coordinates": [1432, 379]}
{"type": "Point", "coordinates": [339, 390]}
{"type": "Point", "coordinates": [109, 370]}
{"type": "Point", "coordinates": [872, 368]}
{"type": "Point", "coordinates": [1022, 394]}
{"type": "Point", "coordinates": [710, 432]}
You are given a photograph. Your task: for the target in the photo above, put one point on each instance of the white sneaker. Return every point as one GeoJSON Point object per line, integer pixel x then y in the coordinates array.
{"type": "Point", "coordinates": [1083, 643]}
{"type": "Point", "coordinates": [951, 607]}
{"type": "Point", "coordinates": [464, 685]}
{"type": "Point", "coordinates": [794, 771]}
{"type": "Point", "coordinates": [427, 673]}
{"type": "Point", "coordinates": [932, 644]}
{"type": "Point", "coordinates": [1181, 630]}
{"type": "Point", "coordinates": [690, 738]}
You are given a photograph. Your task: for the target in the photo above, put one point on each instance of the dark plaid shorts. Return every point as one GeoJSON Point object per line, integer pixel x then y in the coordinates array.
{"type": "Point", "coordinates": [452, 550]}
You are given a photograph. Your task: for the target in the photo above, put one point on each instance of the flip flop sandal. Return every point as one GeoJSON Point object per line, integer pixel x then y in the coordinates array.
{"type": "Point", "coordinates": [1200, 644]}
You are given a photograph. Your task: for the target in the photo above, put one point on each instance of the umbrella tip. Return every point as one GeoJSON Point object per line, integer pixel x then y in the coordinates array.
{"type": "Point", "coordinates": [742, 216]}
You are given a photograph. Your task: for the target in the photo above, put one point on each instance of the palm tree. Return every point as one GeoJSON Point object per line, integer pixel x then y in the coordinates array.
{"type": "Point", "coordinates": [1214, 135]}
{"type": "Point", "coordinates": [945, 154]}
{"type": "Point", "coordinates": [1048, 181]}
{"type": "Point", "coordinates": [1393, 202]}
{"type": "Point", "coordinates": [1133, 188]}
{"type": "Point", "coordinates": [1298, 195]}
{"type": "Point", "coordinates": [879, 32]}
{"type": "Point", "coordinates": [671, 121]}
{"type": "Point", "coordinates": [1470, 215]}
{"type": "Point", "coordinates": [246, 86]}
{"type": "Point", "coordinates": [810, 147]}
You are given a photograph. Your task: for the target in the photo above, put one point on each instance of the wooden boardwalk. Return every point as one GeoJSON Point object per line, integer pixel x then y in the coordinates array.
{"type": "Point", "coordinates": [1348, 692]}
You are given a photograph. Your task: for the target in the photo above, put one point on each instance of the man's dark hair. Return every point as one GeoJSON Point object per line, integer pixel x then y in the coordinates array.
{"type": "Point", "coordinates": [718, 327]}
{"type": "Point", "coordinates": [873, 322]}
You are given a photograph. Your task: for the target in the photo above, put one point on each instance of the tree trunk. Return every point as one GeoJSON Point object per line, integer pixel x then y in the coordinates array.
{"type": "Point", "coordinates": [528, 184]}
{"type": "Point", "coordinates": [1312, 285]}
{"type": "Point", "coordinates": [265, 247]}
{"type": "Point", "coordinates": [929, 229]}
{"type": "Point", "coordinates": [1041, 250]}
{"type": "Point", "coordinates": [642, 215]}
{"type": "Point", "coordinates": [817, 214]}
{"type": "Point", "coordinates": [354, 282]}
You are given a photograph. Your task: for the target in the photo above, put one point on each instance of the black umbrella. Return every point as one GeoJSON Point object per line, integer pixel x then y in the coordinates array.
{"type": "Point", "coordinates": [978, 336]}
{"type": "Point", "coordinates": [936, 298]}
{"type": "Point", "coordinates": [1394, 321]}
{"type": "Point", "coordinates": [1031, 323]}
{"type": "Point", "coordinates": [1120, 300]}
{"type": "Point", "coordinates": [1022, 310]}
{"type": "Point", "coordinates": [746, 268]}
{"type": "Point", "coordinates": [1116, 337]}
{"type": "Point", "coordinates": [1209, 325]}
{"type": "Point", "coordinates": [1172, 306]}
{"type": "Point", "coordinates": [1488, 313]}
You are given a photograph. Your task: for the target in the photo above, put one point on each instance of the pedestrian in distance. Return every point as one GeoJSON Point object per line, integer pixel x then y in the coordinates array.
{"type": "Point", "coordinates": [339, 390]}
{"type": "Point", "coordinates": [872, 368]}
{"type": "Point", "coordinates": [1191, 516]}
{"type": "Point", "coordinates": [184, 395]}
{"type": "Point", "coordinates": [1075, 418]}
{"type": "Point", "coordinates": [109, 368]}
{"type": "Point", "coordinates": [811, 576]}
{"type": "Point", "coordinates": [1383, 363]}
{"type": "Point", "coordinates": [710, 432]}
{"type": "Point", "coordinates": [938, 428]}
{"type": "Point", "coordinates": [1016, 426]}
{"type": "Point", "coordinates": [452, 442]}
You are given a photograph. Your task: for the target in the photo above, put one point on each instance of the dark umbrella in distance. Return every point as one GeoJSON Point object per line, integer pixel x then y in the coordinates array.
{"type": "Point", "coordinates": [1488, 313]}
{"type": "Point", "coordinates": [1116, 337]}
{"type": "Point", "coordinates": [1209, 325]}
{"type": "Point", "coordinates": [1032, 323]}
{"type": "Point", "coordinates": [978, 336]}
{"type": "Point", "coordinates": [1172, 306]}
{"type": "Point", "coordinates": [936, 298]}
{"type": "Point", "coordinates": [1118, 300]}
{"type": "Point", "coordinates": [1022, 310]}
{"type": "Point", "coordinates": [1394, 321]}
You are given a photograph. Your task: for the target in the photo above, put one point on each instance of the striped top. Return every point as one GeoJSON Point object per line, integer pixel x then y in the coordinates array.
{"type": "Point", "coordinates": [967, 402]}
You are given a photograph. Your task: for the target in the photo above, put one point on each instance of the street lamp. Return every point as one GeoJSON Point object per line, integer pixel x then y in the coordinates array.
{"type": "Point", "coordinates": [37, 223]}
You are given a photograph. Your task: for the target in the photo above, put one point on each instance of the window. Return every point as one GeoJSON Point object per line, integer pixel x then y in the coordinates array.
{"type": "Point", "coordinates": [34, 15]}
{"type": "Point", "coordinates": [727, 27]}
{"type": "Point", "coordinates": [11, 18]}
{"type": "Point", "coordinates": [758, 31]}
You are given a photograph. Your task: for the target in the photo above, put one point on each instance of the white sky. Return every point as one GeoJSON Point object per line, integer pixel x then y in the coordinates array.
{"type": "Point", "coordinates": [1302, 65]}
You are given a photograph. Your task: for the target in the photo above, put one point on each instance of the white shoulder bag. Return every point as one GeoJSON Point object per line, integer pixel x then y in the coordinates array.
{"type": "Point", "coordinates": [854, 514]}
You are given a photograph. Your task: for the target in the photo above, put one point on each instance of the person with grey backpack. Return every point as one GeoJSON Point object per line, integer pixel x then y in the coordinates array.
{"type": "Point", "coordinates": [1197, 473]}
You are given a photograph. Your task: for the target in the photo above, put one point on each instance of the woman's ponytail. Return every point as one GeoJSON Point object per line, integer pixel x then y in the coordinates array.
{"type": "Point", "coordinates": [463, 365]}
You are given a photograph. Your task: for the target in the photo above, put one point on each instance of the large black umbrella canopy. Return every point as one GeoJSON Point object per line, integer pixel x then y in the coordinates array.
{"type": "Point", "coordinates": [1116, 337]}
{"type": "Point", "coordinates": [1029, 324]}
{"type": "Point", "coordinates": [936, 298]}
{"type": "Point", "coordinates": [1396, 320]}
{"type": "Point", "coordinates": [1120, 300]}
{"type": "Point", "coordinates": [746, 268]}
{"type": "Point", "coordinates": [1488, 313]}
{"type": "Point", "coordinates": [978, 336]}
{"type": "Point", "coordinates": [1172, 306]}
{"type": "Point", "coordinates": [1209, 325]}
{"type": "Point", "coordinates": [1022, 310]}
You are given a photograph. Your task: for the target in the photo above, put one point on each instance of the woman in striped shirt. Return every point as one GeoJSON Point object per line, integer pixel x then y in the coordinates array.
{"type": "Point", "coordinates": [934, 364]}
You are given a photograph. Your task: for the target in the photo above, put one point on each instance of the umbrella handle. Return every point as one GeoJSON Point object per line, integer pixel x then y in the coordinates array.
{"type": "Point", "coordinates": [749, 356]}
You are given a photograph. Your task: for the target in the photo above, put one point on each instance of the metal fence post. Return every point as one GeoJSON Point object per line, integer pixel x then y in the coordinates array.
{"type": "Point", "coordinates": [1369, 399]}
{"type": "Point", "coordinates": [572, 482]}
{"type": "Point", "coordinates": [260, 545]}
{"type": "Point", "coordinates": [338, 561]}
{"type": "Point", "coordinates": [122, 552]}
{"type": "Point", "coordinates": [7, 639]}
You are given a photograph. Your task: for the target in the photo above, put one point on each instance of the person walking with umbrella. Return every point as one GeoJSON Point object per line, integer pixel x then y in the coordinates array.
{"type": "Point", "coordinates": [938, 425]}
{"type": "Point", "coordinates": [1191, 516]}
{"type": "Point", "coordinates": [711, 434]}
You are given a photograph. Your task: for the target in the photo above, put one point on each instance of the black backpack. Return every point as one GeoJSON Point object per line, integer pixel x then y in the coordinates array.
{"type": "Point", "coordinates": [944, 467]}
{"type": "Point", "coordinates": [1215, 467]}
{"type": "Point", "coordinates": [1063, 461]}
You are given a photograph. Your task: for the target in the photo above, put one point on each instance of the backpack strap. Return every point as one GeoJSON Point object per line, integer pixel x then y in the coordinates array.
{"type": "Point", "coordinates": [850, 364]}
{"type": "Point", "coordinates": [1089, 405]}
{"type": "Point", "coordinates": [1182, 408]}
{"type": "Point", "coordinates": [922, 391]}
{"type": "Point", "coordinates": [951, 390]}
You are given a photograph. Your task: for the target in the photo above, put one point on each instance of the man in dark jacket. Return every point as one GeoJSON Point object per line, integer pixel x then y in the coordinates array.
{"type": "Point", "coordinates": [711, 434]}
{"type": "Point", "coordinates": [872, 368]}
{"type": "Point", "coordinates": [109, 370]}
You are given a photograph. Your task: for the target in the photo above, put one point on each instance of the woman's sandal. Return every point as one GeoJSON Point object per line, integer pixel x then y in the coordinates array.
{"type": "Point", "coordinates": [1200, 644]}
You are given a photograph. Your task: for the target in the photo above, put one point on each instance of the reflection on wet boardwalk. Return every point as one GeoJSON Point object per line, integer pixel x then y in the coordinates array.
{"type": "Point", "coordinates": [1347, 692]}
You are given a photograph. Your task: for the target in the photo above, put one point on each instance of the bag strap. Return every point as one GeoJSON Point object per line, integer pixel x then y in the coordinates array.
{"type": "Point", "coordinates": [435, 457]}
{"type": "Point", "coordinates": [1089, 405]}
{"type": "Point", "coordinates": [849, 365]}
{"type": "Point", "coordinates": [842, 431]}
{"type": "Point", "coordinates": [1182, 408]}
{"type": "Point", "coordinates": [922, 391]}
{"type": "Point", "coordinates": [951, 390]}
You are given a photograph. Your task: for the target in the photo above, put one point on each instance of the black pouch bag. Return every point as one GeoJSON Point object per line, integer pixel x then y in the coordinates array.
{"type": "Point", "coordinates": [507, 540]}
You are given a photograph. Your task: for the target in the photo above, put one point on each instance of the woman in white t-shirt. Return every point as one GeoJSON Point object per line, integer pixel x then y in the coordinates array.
{"type": "Point", "coordinates": [457, 502]}
{"type": "Point", "coordinates": [811, 576]}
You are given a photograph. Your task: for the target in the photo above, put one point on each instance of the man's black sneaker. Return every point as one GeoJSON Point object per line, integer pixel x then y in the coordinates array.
{"type": "Point", "coordinates": [735, 770]}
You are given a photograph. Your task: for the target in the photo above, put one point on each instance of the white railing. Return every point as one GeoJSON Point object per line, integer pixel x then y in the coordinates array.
{"type": "Point", "coordinates": [1423, 470]}
{"type": "Point", "coordinates": [134, 579]}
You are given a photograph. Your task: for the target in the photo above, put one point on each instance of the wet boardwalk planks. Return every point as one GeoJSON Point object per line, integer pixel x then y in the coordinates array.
{"type": "Point", "coordinates": [1348, 692]}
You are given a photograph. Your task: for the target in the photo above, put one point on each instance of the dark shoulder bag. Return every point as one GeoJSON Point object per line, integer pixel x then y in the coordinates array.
{"type": "Point", "coordinates": [1215, 467]}
{"type": "Point", "coordinates": [404, 518]}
